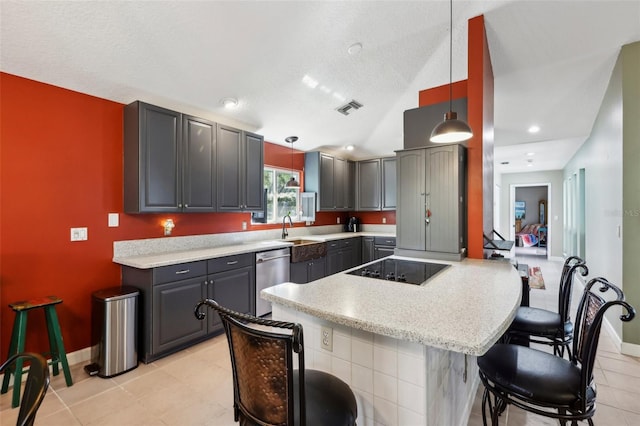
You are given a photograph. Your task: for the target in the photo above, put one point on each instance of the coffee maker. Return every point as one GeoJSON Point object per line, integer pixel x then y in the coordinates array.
{"type": "Point", "coordinates": [353, 224]}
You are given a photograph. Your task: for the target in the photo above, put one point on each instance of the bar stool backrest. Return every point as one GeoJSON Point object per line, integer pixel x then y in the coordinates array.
{"type": "Point", "coordinates": [35, 387]}
{"type": "Point", "coordinates": [262, 360]}
{"type": "Point", "coordinates": [587, 327]}
{"type": "Point", "coordinates": [571, 265]}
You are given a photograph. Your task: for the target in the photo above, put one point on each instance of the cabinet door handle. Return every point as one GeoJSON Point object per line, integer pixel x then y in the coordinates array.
{"type": "Point", "coordinates": [233, 262]}
{"type": "Point", "coordinates": [184, 271]}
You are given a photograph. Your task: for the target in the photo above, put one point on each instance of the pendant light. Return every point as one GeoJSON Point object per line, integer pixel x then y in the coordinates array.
{"type": "Point", "coordinates": [293, 183]}
{"type": "Point", "coordinates": [451, 129]}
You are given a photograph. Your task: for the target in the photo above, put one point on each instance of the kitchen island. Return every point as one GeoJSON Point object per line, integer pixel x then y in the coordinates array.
{"type": "Point", "coordinates": [408, 351]}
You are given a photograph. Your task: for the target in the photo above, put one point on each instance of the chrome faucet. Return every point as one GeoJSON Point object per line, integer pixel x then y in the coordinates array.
{"type": "Point", "coordinates": [285, 234]}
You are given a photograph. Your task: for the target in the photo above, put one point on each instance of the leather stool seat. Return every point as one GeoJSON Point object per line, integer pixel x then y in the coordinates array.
{"type": "Point", "coordinates": [539, 322]}
{"type": "Point", "coordinates": [329, 400]}
{"type": "Point", "coordinates": [534, 375]}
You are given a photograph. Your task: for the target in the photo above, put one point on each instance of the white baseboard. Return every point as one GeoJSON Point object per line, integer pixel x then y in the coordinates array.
{"type": "Point", "coordinates": [79, 357]}
{"type": "Point", "coordinates": [630, 349]}
{"type": "Point", "coordinates": [557, 258]}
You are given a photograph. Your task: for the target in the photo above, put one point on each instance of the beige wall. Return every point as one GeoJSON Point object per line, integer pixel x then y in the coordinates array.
{"type": "Point", "coordinates": [610, 158]}
{"type": "Point", "coordinates": [631, 185]}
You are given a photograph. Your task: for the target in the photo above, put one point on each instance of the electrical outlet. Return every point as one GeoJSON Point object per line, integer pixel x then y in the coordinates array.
{"type": "Point", "coordinates": [384, 220]}
{"type": "Point", "coordinates": [326, 338]}
{"type": "Point", "coordinates": [338, 220]}
{"type": "Point", "coordinates": [244, 226]}
{"type": "Point", "coordinates": [79, 234]}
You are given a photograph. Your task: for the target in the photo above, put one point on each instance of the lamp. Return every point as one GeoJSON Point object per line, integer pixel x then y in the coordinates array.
{"type": "Point", "coordinates": [293, 183]}
{"type": "Point", "coordinates": [451, 129]}
{"type": "Point", "coordinates": [168, 226]}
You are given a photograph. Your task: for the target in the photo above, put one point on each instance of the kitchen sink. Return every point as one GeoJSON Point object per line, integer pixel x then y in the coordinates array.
{"type": "Point", "coordinates": [303, 250]}
{"type": "Point", "coordinates": [299, 242]}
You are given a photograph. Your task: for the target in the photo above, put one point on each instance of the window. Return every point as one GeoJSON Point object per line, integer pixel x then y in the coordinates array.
{"type": "Point", "coordinates": [279, 198]}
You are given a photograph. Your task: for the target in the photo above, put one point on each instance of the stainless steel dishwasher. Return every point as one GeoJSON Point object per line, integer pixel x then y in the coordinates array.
{"type": "Point", "coordinates": [272, 267]}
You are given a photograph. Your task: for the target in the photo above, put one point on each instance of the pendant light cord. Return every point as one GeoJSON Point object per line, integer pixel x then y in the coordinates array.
{"type": "Point", "coordinates": [450, 55]}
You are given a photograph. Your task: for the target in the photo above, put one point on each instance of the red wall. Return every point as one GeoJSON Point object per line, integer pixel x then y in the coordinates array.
{"type": "Point", "coordinates": [61, 167]}
{"type": "Point", "coordinates": [478, 89]}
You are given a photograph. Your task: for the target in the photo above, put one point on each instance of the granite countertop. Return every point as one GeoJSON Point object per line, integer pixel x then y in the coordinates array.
{"type": "Point", "coordinates": [154, 260]}
{"type": "Point", "coordinates": [465, 308]}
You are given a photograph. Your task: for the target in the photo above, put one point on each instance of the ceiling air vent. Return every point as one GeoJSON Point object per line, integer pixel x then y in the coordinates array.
{"type": "Point", "coordinates": [346, 108]}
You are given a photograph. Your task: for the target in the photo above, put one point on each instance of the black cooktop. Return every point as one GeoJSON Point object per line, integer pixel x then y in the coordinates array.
{"type": "Point", "coordinates": [406, 271]}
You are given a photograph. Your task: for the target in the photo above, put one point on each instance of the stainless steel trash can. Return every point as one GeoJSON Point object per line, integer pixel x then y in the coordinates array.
{"type": "Point", "coordinates": [114, 329]}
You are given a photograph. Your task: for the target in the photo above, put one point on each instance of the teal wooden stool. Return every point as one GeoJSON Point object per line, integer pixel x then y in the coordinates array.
{"type": "Point", "coordinates": [58, 355]}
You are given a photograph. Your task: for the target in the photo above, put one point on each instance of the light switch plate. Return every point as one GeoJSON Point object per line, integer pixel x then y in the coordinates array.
{"type": "Point", "coordinates": [114, 220]}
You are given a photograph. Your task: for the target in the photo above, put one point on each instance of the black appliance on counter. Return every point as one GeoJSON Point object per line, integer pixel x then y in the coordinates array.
{"type": "Point", "coordinates": [353, 224]}
{"type": "Point", "coordinates": [400, 270]}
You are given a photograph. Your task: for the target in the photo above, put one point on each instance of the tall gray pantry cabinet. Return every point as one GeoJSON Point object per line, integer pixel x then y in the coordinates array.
{"type": "Point", "coordinates": [431, 196]}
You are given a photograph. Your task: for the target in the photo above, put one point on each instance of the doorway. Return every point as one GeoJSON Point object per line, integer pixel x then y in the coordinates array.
{"type": "Point", "coordinates": [529, 219]}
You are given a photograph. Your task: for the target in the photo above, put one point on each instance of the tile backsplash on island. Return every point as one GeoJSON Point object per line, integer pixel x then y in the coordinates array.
{"type": "Point", "coordinates": [193, 242]}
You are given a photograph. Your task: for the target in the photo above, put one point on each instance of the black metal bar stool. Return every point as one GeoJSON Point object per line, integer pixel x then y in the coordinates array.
{"type": "Point", "coordinates": [18, 338]}
{"type": "Point", "coordinates": [546, 384]}
{"type": "Point", "coordinates": [548, 327]}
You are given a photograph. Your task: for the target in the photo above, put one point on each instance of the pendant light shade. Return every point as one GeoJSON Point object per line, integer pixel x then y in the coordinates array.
{"type": "Point", "coordinates": [293, 183]}
{"type": "Point", "coordinates": [451, 130]}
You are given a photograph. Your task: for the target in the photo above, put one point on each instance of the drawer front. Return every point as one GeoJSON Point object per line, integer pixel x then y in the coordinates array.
{"type": "Point", "coordinates": [226, 263]}
{"type": "Point", "coordinates": [385, 241]}
{"type": "Point", "coordinates": [181, 271]}
{"type": "Point", "coordinates": [337, 244]}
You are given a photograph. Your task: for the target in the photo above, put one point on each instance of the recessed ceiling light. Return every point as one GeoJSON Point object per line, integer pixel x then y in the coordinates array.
{"type": "Point", "coordinates": [310, 82]}
{"type": "Point", "coordinates": [349, 147]}
{"type": "Point", "coordinates": [529, 165]}
{"type": "Point", "coordinates": [531, 154]}
{"type": "Point", "coordinates": [354, 49]}
{"type": "Point", "coordinates": [534, 129]}
{"type": "Point", "coordinates": [229, 103]}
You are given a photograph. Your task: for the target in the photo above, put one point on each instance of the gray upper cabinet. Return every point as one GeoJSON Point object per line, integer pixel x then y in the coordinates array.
{"type": "Point", "coordinates": [198, 172]}
{"type": "Point", "coordinates": [431, 204]}
{"type": "Point", "coordinates": [169, 161]}
{"type": "Point", "coordinates": [389, 179]}
{"type": "Point", "coordinates": [151, 154]}
{"type": "Point", "coordinates": [239, 170]}
{"type": "Point", "coordinates": [332, 179]}
{"type": "Point", "coordinates": [376, 184]}
{"type": "Point", "coordinates": [369, 185]}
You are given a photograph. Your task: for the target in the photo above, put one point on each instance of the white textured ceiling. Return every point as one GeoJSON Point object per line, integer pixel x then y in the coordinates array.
{"type": "Point", "coordinates": [551, 59]}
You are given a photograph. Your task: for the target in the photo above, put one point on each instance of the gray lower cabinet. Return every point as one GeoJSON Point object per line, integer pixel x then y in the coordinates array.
{"type": "Point", "coordinates": [431, 202]}
{"type": "Point", "coordinates": [169, 161]}
{"type": "Point", "coordinates": [168, 295]}
{"type": "Point", "coordinates": [173, 320]}
{"type": "Point", "coordinates": [240, 164]}
{"type": "Point", "coordinates": [383, 247]}
{"type": "Point", "coordinates": [232, 289]}
{"type": "Point", "coordinates": [331, 178]}
{"type": "Point", "coordinates": [307, 271]}
{"type": "Point", "coordinates": [343, 254]}
{"type": "Point", "coordinates": [368, 251]}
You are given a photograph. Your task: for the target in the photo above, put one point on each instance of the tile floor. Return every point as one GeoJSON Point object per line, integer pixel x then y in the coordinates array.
{"type": "Point", "coordinates": [194, 387]}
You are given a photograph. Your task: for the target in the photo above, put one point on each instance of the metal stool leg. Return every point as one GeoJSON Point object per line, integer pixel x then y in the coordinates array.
{"type": "Point", "coordinates": [18, 337]}
{"type": "Point", "coordinates": [58, 353]}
